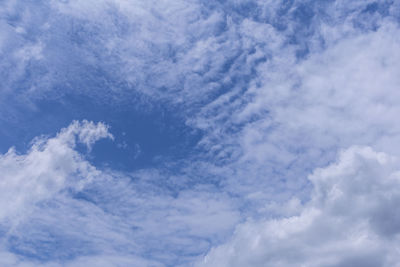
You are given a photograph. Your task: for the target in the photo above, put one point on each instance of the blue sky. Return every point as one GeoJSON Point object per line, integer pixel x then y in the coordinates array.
{"type": "Point", "coordinates": [199, 133]}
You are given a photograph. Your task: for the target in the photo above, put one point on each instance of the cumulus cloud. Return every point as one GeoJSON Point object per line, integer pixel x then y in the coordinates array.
{"type": "Point", "coordinates": [50, 166]}
{"type": "Point", "coordinates": [351, 220]}
{"type": "Point", "coordinates": [57, 209]}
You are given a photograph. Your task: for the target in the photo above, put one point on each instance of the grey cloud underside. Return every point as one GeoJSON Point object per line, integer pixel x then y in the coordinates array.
{"type": "Point", "coordinates": [276, 88]}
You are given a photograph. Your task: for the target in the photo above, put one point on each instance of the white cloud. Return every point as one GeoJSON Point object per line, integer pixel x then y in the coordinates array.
{"type": "Point", "coordinates": [351, 220]}
{"type": "Point", "coordinates": [268, 116]}
{"type": "Point", "coordinates": [57, 209]}
{"type": "Point", "coordinates": [296, 114]}
{"type": "Point", "coordinates": [86, 132]}
{"type": "Point", "coordinates": [50, 166]}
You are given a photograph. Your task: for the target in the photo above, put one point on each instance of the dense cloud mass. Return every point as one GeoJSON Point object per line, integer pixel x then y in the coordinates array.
{"type": "Point", "coordinates": [351, 220]}
{"type": "Point", "coordinates": [199, 133]}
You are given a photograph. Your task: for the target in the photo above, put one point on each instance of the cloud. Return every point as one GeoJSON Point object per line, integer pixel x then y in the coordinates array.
{"type": "Point", "coordinates": [50, 166]}
{"type": "Point", "coordinates": [276, 89]}
{"type": "Point", "coordinates": [57, 209]}
{"type": "Point", "coordinates": [351, 220]}
{"type": "Point", "coordinates": [140, 47]}
{"type": "Point", "coordinates": [86, 133]}
{"type": "Point", "coordinates": [297, 114]}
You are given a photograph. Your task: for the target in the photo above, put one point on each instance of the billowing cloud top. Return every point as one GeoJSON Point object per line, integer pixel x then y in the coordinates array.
{"type": "Point", "coordinates": [199, 133]}
{"type": "Point", "coordinates": [351, 220]}
{"type": "Point", "coordinates": [50, 166]}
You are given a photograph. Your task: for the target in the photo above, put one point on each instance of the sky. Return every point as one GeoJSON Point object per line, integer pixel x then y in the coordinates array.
{"type": "Point", "coordinates": [178, 133]}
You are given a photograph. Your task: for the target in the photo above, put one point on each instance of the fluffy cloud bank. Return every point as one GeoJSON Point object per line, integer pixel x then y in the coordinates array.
{"type": "Point", "coordinates": [352, 219]}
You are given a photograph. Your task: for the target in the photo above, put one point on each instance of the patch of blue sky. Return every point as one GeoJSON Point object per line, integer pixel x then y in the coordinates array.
{"type": "Point", "coordinates": [143, 137]}
{"type": "Point", "coordinates": [75, 78]}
